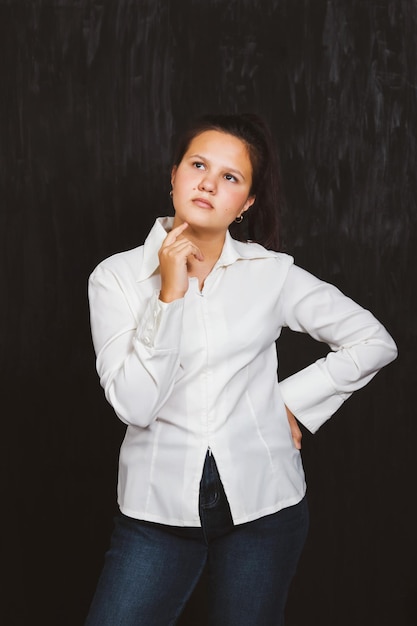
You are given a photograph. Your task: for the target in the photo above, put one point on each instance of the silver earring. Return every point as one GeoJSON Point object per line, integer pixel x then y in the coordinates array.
{"type": "Point", "coordinates": [239, 219]}
{"type": "Point", "coordinates": [171, 193]}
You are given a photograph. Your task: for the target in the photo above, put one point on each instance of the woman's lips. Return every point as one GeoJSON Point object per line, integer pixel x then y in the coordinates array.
{"type": "Point", "coordinates": [202, 203]}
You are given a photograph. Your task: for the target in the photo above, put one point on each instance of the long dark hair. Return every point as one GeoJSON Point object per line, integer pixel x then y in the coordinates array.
{"type": "Point", "coordinates": [262, 222]}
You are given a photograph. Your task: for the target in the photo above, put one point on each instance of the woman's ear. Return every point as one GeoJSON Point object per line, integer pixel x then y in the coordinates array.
{"type": "Point", "coordinates": [248, 203]}
{"type": "Point", "coordinates": [173, 172]}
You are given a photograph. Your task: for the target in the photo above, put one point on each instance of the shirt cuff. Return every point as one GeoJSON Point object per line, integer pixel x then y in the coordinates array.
{"type": "Point", "coordinates": [311, 397]}
{"type": "Point", "coordinates": [160, 328]}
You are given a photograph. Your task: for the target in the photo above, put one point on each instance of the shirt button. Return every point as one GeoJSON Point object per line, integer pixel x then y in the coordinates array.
{"type": "Point", "coordinates": [147, 341]}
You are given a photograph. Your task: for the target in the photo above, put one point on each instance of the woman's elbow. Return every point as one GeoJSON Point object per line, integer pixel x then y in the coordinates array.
{"type": "Point", "coordinates": [132, 411]}
{"type": "Point", "coordinates": [389, 350]}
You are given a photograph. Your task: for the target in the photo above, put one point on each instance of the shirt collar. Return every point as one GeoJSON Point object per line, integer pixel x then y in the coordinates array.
{"type": "Point", "coordinates": [151, 247]}
{"type": "Point", "coordinates": [233, 250]}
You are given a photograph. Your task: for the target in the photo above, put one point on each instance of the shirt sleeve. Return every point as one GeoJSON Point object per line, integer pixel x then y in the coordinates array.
{"type": "Point", "coordinates": [360, 347]}
{"type": "Point", "coordinates": [137, 361]}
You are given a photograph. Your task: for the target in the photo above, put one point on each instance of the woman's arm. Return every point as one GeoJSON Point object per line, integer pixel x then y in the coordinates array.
{"type": "Point", "coordinates": [137, 362]}
{"type": "Point", "coordinates": [360, 347]}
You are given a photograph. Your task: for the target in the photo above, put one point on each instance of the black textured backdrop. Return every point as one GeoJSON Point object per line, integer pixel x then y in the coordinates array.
{"type": "Point", "coordinates": [91, 94]}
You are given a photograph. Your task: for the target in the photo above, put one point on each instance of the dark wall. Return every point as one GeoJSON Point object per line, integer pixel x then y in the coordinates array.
{"type": "Point", "coordinates": [91, 95]}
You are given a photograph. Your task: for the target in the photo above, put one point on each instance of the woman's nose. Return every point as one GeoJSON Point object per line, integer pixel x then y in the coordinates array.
{"type": "Point", "coordinates": [207, 184]}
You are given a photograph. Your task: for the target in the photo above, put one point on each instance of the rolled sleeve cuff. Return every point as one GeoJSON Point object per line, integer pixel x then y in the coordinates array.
{"type": "Point", "coordinates": [311, 397]}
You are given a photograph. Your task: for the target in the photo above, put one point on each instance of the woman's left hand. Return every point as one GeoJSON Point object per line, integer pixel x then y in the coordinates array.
{"type": "Point", "coordinates": [295, 429]}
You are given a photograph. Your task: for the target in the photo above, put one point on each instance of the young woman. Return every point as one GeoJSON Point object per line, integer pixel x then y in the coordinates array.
{"type": "Point", "coordinates": [184, 328]}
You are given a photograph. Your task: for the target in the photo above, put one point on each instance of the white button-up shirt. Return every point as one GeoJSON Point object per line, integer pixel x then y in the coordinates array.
{"type": "Point", "coordinates": [201, 372]}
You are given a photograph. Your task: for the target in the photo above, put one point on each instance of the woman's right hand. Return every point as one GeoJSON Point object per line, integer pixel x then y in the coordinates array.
{"type": "Point", "coordinates": [173, 256]}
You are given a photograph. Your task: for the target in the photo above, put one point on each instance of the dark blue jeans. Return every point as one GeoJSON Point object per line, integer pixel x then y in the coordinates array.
{"type": "Point", "coordinates": [151, 569]}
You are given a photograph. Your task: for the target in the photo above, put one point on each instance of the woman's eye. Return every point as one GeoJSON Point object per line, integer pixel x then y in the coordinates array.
{"type": "Point", "coordinates": [230, 177]}
{"type": "Point", "coordinates": [198, 165]}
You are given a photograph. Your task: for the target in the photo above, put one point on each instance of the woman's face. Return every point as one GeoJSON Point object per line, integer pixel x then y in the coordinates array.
{"type": "Point", "coordinates": [211, 184]}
